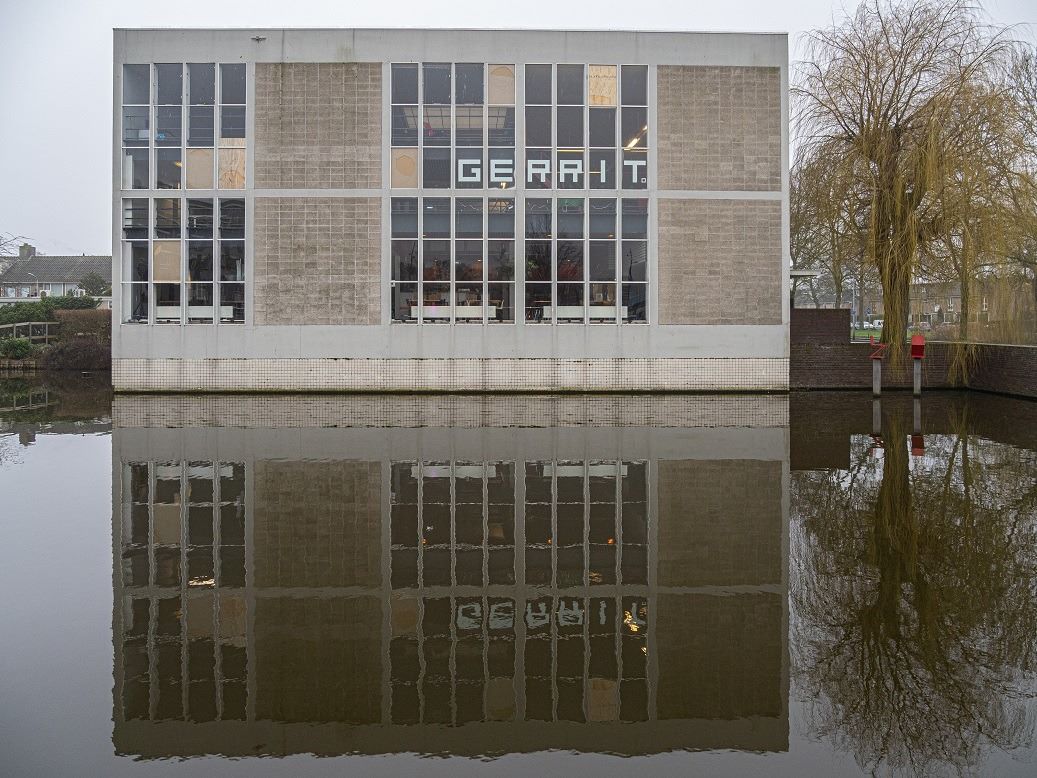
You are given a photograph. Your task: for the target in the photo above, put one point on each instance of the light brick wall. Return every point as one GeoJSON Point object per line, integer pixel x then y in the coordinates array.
{"type": "Point", "coordinates": [720, 523]}
{"type": "Point", "coordinates": [317, 260]}
{"type": "Point", "coordinates": [317, 524]}
{"type": "Point", "coordinates": [720, 261]}
{"type": "Point", "coordinates": [318, 126]}
{"type": "Point", "coordinates": [719, 128]}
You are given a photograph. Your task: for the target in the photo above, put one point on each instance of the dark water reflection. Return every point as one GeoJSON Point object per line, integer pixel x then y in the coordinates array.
{"type": "Point", "coordinates": [729, 584]}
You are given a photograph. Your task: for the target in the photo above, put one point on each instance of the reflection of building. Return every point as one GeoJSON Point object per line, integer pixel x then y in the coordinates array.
{"type": "Point", "coordinates": [332, 590]}
{"type": "Point", "coordinates": [450, 209]}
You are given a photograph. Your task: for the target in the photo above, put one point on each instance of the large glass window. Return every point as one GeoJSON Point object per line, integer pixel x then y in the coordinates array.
{"type": "Point", "coordinates": [452, 260]}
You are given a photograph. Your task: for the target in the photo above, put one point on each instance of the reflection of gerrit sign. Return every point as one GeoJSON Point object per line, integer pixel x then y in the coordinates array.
{"type": "Point", "coordinates": [538, 171]}
{"type": "Point", "coordinates": [569, 612]}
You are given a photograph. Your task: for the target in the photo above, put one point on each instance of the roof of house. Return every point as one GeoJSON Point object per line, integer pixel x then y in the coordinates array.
{"type": "Point", "coordinates": [54, 269]}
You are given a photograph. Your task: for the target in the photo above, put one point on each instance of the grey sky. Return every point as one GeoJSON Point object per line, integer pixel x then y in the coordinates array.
{"type": "Point", "coordinates": [55, 135]}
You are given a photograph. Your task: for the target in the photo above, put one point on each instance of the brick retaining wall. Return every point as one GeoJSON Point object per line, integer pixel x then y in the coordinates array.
{"type": "Point", "coordinates": [821, 356]}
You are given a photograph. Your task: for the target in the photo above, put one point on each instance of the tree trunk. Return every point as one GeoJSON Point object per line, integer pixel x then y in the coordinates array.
{"type": "Point", "coordinates": [966, 306]}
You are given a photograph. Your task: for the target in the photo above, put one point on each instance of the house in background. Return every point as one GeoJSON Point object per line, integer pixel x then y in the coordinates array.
{"type": "Point", "coordinates": [32, 276]}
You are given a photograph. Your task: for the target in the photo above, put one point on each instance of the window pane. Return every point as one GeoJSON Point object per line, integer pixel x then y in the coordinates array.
{"type": "Point", "coordinates": [570, 302]}
{"type": "Point", "coordinates": [538, 260]}
{"type": "Point", "coordinates": [170, 84]}
{"type": "Point", "coordinates": [500, 164]}
{"type": "Point", "coordinates": [135, 261]}
{"type": "Point", "coordinates": [601, 169]}
{"type": "Point", "coordinates": [232, 169]}
{"type": "Point", "coordinates": [468, 218]}
{"type": "Point", "coordinates": [167, 126]}
{"type": "Point", "coordinates": [501, 87]}
{"type": "Point", "coordinates": [468, 299]}
{"type": "Point", "coordinates": [469, 84]}
{"type": "Point", "coordinates": [635, 85]}
{"type": "Point", "coordinates": [501, 303]}
{"type": "Point", "coordinates": [500, 258]}
{"type": "Point", "coordinates": [166, 260]}
{"type": "Point", "coordinates": [602, 218]}
{"type": "Point", "coordinates": [436, 260]}
{"type": "Point", "coordinates": [634, 131]}
{"type": "Point", "coordinates": [570, 217]}
{"type": "Point", "coordinates": [501, 218]}
{"type": "Point", "coordinates": [602, 127]}
{"type": "Point", "coordinates": [570, 127]}
{"type": "Point", "coordinates": [468, 260]}
{"type": "Point", "coordinates": [199, 168]}
{"type": "Point", "coordinates": [537, 297]}
{"type": "Point", "coordinates": [468, 123]}
{"type": "Point", "coordinates": [199, 218]}
{"type": "Point", "coordinates": [404, 302]}
{"type": "Point", "coordinates": [602, 295]}
{"type": "Point", "coordinates": [570, 169]}
{"type": "Point", "coordinates": [405, 84]}
{"type": "Point", "coordinates": [435, 295]}
{"type": "Point", "coordinates": [232, 125]}
{"type": "Point", "coordinates": [405, 125]}
{"type": "Point", "coordinates": [437, 126]}
{"type": "Point", "coordinates": [405, 260]}
{"type": "Point", "coordinates": [167, 218]}
{"type": "Point", "coordinates": [404, 217]}
{"type": "Point", "coordinates": [538, 84]}
{"type": "Point", "coordinates": [232, 218]}
{"type": "Point", "coordinates": [602, 84]}
{"type": "Point", "coordinates": [135, 305]}
{"type": "Point", "coordinates": [232, 260]}
{"type": "Point", "coordinates": [232, 303]}
{"type": "Point", "coordinates": [435, 217]}
{"type": "Point", "coordinates": [199, 260]}
{"type": "Point", "coordinates": [199, 303]}
{"type": "Point", "coordinates": [201, 129]}
{"type": "Point", "coordinates": [570, 84]}
{"type": "Point", "coordinates": [136, 84]}
{"type": "Point", "coordinates": [635, 306]}
{"type": "Point", "coordinates": [404, 170]}
{"type": "Point", "coordinates": [538, 126]}
{"type": "Point", "coordinates": [201, 83]}
{"type": "Point", "coordinates": [167, 303]}
{"type": "Point", "coordinates": [635, 169]}
{"type": "Point", "coordinates": [232, 84]}
{"type": "Point", "coordinates": [136, 125]}
{"type": "Point", "coordinates": [538, 218]}
{"type": "Point", "coordinates": [435, 172]}
{"type": "Point", "coordinates": [501, 126]}
{"type": "Point", "coordinates": [135, 218]}
{"type": "Point", "coordinates": [167, 168]}
{"type": "Point", "coordinates": [602, 261]}
{"type": "Point", "coordinates": [635, 217]}
{"type": "Point", "coordinates": [570, 260]}
{"type": "Point", "coordinates": [538, 169]}
{"type": "Point", "coordinates": [135, 169]}
{"type": "Point", "coordinates": [436, 78]}
{"type": "Point", "coordinates": [635, 260]}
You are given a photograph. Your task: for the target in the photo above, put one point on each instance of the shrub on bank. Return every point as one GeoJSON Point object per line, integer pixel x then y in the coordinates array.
{"type": "Point", "coordinates": [77, 354]}
{"type": "Point", "coordinates": [43, 310]}
{"type": "Point", "coordinates": [16, 348]}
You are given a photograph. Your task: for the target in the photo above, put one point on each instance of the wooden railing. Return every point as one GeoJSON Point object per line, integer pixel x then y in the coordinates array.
{"type": "Point", "coordinates": [34, 331]}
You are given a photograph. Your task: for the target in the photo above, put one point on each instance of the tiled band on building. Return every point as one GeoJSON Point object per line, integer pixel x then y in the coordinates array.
{"type": "Point", "coordinates": [458, 210]}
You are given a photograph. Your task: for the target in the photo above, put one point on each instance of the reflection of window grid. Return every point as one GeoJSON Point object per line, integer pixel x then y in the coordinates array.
{"type": "Point", "coordinates": [189, 147]}
{"type": "Point", "coordinates": [576, 657]}
{"type": "Point", "coordinates": [449, 299]}
{"type": "Point", "coordinates": [183, 577]}
{"type": "Point", "coordinates": [482, 128]}
{"type": "Point", "coordinates": [581, 299]}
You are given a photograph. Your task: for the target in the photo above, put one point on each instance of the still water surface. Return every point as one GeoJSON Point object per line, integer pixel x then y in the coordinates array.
{"type": "Point", "coordinates": [557, 585]}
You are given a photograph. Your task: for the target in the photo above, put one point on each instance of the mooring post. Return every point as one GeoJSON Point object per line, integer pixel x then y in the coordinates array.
{"type": "Point", "coordinates": [876, 377]}
{"type": "Point", "coordinates": [918, 378]}
{"type": "Point", "coordinates": [917, 355]}
{"type": "Point", "coordinates": [876, 418]}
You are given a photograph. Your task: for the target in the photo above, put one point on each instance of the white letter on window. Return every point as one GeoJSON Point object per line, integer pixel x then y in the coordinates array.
{"type": "Point", "coordinates": [634, 164]}
{"type": "Point", "coordinates": [537, 167]}
{"type": "Point", "coordinates": [570, 167]}
{"type": "Point", "coordinates": [601, 171]}
{"type": "Point", "coordinates": [502, 171]}
{"type": "Point", "coordinates": [469, 178]}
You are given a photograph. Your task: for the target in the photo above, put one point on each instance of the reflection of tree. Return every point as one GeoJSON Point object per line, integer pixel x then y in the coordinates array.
{"type": "Point", "coordinates": [916, 602]}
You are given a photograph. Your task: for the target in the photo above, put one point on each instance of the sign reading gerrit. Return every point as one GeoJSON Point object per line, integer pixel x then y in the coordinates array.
{"type": "Point", "coordinates": [487, 126]}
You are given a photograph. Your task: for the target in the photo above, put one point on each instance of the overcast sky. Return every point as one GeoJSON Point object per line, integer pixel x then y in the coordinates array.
{"type": "Point", "coordinates": [55, 92]}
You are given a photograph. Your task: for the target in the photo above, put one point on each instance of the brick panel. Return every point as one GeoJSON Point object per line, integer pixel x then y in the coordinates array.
{"type": "Point", "coordinates": [719, 262]}
{"type": "Point", "coordinates": [317, 524]}
{"type": "Point", "coordinates": [318, 260]}
{"type": "Point", "coordinates": [720, 522]}
{"type": "Point", "coordinates": [318, 126]}
{"type": "Point", "coordinates": [719, 128]}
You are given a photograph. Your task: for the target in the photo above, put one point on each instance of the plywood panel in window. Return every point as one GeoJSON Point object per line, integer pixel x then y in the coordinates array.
{"type": "Point", "coordinates": [167, 260]}
{"type": "Point", "coordinates": [199, 168]}
{"type": "Point", "coordinates": [232, 169]}
{"type": "Point", "coordinates": [501, 85]}
{"type": "Point", "coordinates": [404, 168]}
{"type": "Point", "coordinates": [602, 84]}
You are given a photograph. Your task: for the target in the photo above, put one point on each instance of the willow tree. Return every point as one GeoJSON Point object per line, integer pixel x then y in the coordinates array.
{"type": "Point", "coordinates": [878, 89]}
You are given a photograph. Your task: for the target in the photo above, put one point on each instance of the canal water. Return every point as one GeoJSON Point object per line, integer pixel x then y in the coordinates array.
{"type": "Point", "coordinates": [683, 585]}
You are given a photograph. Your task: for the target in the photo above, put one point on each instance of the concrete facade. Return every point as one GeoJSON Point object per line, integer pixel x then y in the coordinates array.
{"type": "Point", "coordinates": [318, 280]}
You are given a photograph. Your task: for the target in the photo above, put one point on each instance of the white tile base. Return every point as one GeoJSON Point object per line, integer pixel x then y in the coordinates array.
{"type": "Point", "coordinates": [450, 375]}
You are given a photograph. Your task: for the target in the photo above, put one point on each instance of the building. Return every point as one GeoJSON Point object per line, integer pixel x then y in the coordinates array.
{"type": "Point", "coordinates": [293, 576]}
{"type": "Point", "coordinates": [33, 276]}
{"type": "Point", "coordinates": [450, 209]}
